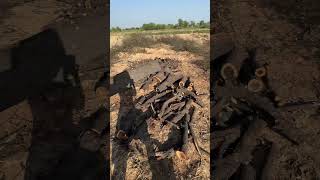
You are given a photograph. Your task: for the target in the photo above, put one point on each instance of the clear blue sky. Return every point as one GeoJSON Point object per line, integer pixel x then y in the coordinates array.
{"type": "Point", "coordinates": [134, 13]}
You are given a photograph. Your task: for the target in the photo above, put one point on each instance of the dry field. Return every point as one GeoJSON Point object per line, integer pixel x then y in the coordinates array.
{"type": "Point", "coordinates": [191, 53]}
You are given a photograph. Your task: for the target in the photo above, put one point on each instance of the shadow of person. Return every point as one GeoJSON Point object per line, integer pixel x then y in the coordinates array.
{"type": "Point", "coordinates": [55, 152]}
{"type": "Point", "coordinates": [35, 62]}
{"type": "Point", "coordinates": [122, 85]}
{"type": "Point", "coordinates": [161, 169]}
{"type": "Point", "coordinates": [131, 124]}
{"type": "Point", "coordinates": [44, 75]}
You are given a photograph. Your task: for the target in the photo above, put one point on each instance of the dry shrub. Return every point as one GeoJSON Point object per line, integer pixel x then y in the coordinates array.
{"type": "Point", "coordinates": [135, 43]}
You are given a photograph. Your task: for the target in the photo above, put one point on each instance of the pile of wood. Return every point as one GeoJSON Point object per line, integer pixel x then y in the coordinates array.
{"type": "Point", "coordinates": [243, 107]}
{"type": "Point", "coordinates": [172, 99]}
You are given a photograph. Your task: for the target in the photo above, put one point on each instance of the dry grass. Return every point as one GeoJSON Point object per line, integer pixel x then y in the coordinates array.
{"type": "Point", "coordinates": [163, 31]}
{"type": "Point", "coordinates": [191, 52]}
{"type": "Point", "coordinates": [138, 42]}
{"type": "Point", "coordinates": [130, 44]}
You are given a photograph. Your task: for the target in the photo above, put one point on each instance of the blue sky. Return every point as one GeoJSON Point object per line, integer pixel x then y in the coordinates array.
{"type": "Point", "coordinates": [134, 13]}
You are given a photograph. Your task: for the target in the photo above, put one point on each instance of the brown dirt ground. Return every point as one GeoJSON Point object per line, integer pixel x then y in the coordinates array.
{"type": "Point", "coordinates": [276, 30]}
{"type": "Point", "coordinates": [20, 20]}
{"type": "Point", "coordinates": [137, 163]}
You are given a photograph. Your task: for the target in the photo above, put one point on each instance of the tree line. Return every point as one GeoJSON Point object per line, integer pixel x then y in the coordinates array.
{"type": "Point", "coordinates": [181, 24]}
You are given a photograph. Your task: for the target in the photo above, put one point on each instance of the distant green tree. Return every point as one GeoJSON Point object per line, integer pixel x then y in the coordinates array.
{"type": "Point", "coordinates": [208, 25]}
{"type": "Point", "coordinates": [202, 24]}
{"type": "Point", "coordinates": [169, 26]}
{"type": "Point", "coordinates": [161, 26]}
{"type": "Point", "coordinates": [153, 26]}
{"type": "Point", "coordinates": [180, 23]}
{"type": "Point", "coordinates": [192, 24]}
{"type": "Point", "coordinates": [115, 29]}
{"type": "Point", "coordinates": [185, 24]}
{"type": "Point", "coordinates": [149, 26]}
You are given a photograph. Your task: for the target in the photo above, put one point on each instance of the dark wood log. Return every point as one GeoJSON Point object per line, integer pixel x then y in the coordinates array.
{"type": "Point", "coordinates": [182, 113]}
{"type": "Point", "coordinates": [175, 107]}
{"type": "Point", "coordinates": [185, 136]}
{"type": "Point", "coordinates": [146, 104]}
{"type": "Point", "coordinates": [154, 79]}
{"type": "Point", "coordinates": [169, 82]}
{"type": "Point", "coordinates": [183, 81]}
{"type": "Point", "coordinates": [166, 105]}
{"type": "Point", "coordinates": [186, 93]}
{"type": "Point", "coordinates": [195, 140]}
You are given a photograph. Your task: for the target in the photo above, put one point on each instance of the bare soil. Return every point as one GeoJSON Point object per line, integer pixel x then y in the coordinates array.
{"type": "Point", "coordinates": [21, 149]}
{"type": "Point", "coordinates": [286, 36]}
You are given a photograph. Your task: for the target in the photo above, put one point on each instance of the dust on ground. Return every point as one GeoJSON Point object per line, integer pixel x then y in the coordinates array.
{"type": "Point", "coordinates": [190, 52]}
{"type": "Point", "coordinates": [286, 36]}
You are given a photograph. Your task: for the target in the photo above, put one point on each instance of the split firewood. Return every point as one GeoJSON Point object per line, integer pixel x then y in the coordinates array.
{"type": "Point", "coordinates": [182, 93]}
{"type": "Point", "coordinates": [142, 99]}
{"type": "Point", "coordinates": [169, 82]}
{"type": "Point", "coordinates": [174, 107]}
{"type": "Point", "coordinates": [172, 102]}
{"type": "Point", "coordinates": [166, 104]}
{"type": "Point", "coordinates": [182, 113]}
{"type": "Point", "coordinates": [146, 104]}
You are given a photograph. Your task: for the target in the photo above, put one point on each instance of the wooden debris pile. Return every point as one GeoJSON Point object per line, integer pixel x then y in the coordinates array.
{"type": "Point", "coordinates": [242, 107]}
{"type": "Point", "coordinates": [172, 99]}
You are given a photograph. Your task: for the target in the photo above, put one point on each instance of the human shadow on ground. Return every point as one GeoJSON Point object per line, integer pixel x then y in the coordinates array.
{"type": "Point", "coordinates": [44, 75]}
{"type": "Point", "coordinates": [132, 124]}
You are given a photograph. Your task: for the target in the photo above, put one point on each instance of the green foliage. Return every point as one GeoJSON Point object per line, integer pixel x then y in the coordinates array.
{"type": "Point", "coordinates": [181, 24]}
{"type": "Point", "coordinates": [153, 26]}
{"type": "Point", "coordinates": [116, 29]}
{"type": "Point", "coordinates": [203, 24]}
{"type": "Point", "coordinates": [192, 24]}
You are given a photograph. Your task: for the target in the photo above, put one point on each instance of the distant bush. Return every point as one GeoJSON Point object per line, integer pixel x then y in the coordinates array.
{"type": "Point", "coordinates": [137, 42]}
{"type": "Point", "coordinates": [181, 24]}
{"type": "Point", "coordinates": [116, 29]}
{"type": "Point", "coordinates": [131, 43]}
